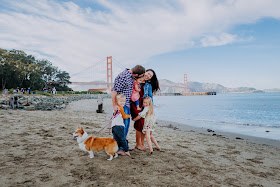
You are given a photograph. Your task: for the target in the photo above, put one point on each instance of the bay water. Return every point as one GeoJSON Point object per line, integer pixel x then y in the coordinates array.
{"type": "Point", "coordinates": [253, 114]}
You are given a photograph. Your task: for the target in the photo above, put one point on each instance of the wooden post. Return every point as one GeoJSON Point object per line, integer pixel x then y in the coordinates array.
{"type": "Point", "coordinates": [100, 104]}
{"type": "Point", "coordinates": [12, 102]}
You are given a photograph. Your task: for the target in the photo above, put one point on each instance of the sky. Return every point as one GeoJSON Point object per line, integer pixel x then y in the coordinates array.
{"type": "Point", "coordinates": [234, 43]}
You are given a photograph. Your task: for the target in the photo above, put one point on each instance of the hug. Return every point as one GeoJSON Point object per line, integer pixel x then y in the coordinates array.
{"type": "Point", "coordinates": [132, 97]}
{"type": "Point", "coordinates": [138, 86]}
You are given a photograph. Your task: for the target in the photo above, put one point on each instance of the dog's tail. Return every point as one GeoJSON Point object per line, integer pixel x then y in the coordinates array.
{"type": "Point", "coordinates": [116, 148]}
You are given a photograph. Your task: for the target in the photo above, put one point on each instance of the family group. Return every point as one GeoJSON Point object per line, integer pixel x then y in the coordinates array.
{"type": "Point", "coordinates": [132, 96]}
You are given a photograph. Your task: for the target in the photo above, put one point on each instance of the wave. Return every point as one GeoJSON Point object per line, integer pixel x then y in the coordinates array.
{"type": "Point", "coordinates": [261, 125]}
{"type": "Point", "coordinates": [180, 119]}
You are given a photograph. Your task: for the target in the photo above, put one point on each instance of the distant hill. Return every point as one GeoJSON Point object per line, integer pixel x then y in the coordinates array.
{"type": "Point", "coordinates": [272, 90]}
{"type": "Point", "coordinates": [168, 86]}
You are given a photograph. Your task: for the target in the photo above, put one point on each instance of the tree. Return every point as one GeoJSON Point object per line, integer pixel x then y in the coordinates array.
{"type": "Point", "coordinates": [62, 79]}
{"type": "Point", "coordinates": [17, 69]}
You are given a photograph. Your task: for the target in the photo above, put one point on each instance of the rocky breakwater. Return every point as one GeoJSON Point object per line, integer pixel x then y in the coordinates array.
{"type": "Point", "coordinates": [38, 102]}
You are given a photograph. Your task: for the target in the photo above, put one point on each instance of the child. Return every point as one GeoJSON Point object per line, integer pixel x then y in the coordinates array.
{"type": "Point", "coordinates": [149, 124]}
{"type": "Point", "coordinates": [135, 92]}
{"type": "Point", "coordinates": [118, 126]}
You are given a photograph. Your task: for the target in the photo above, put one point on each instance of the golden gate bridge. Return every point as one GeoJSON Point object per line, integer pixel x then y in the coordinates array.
{"type": "Point", "coordinates": [106, 86]}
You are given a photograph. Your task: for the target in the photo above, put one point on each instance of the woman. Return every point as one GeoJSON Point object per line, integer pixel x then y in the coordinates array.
{"type": "Point", "coordinates": [148, 88]}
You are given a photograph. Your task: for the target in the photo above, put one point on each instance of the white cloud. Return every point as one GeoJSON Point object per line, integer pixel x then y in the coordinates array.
{"type": "Point", "coordinates": [222, 39]}
{"type": "Point", "coordinates": [74, 38]}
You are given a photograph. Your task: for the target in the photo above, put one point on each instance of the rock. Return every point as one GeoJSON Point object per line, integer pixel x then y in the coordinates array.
{"type": "Point", "coordinates": [43, 102]}
{"type": "Point", "coordinates": [5, 107]}
{"type": "Point", "coordinates": [30, 108]}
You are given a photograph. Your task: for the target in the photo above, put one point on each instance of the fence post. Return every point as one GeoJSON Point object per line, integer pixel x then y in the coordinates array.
{"type": "Point", "coordinates": [100, 104]}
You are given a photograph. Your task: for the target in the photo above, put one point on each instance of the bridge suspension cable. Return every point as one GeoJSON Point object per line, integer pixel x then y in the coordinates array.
{"type": "Point", "coordinates": [118, 63]}
{"type": "Point", "coordinates": [88, 68]}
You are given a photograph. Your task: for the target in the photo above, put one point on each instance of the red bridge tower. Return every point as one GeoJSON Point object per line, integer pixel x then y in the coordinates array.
{"type": "Point", "coordinates": [109, 73]}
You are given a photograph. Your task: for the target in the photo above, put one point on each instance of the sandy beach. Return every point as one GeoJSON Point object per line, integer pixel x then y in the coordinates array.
{"type": "Point", "coordinates": [37, 149]}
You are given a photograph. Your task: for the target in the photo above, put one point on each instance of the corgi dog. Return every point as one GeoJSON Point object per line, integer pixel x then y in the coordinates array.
{"type": "Point", "coordinates": [91, 143]}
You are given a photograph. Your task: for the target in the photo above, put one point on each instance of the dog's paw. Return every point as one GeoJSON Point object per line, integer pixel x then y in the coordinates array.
{"type": "Point", "coordinates": [91, 156]}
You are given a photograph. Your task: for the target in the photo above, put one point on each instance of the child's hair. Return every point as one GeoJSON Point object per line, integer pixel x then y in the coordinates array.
{"type": "Point", "coordinates": [150, 112]}
{"type": "Point", "coordinates": [120, 96]}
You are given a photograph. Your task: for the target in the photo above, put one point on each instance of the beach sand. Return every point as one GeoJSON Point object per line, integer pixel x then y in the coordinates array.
{"type": "Point", "coordinates": [37, 149]}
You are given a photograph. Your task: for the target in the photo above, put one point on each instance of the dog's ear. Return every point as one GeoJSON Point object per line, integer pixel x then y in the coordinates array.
{"type": "Point", "coordinates": [79, 127]}
{"type": "Point", "coordinates": [82, 131]}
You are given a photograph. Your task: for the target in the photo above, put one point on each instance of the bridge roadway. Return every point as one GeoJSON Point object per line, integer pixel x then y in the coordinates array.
{"type": "Point", "coordinates": [104, 83]}
{"type": "Point", "coordinates": [160, 94]}
{"type": "Point", "coordinates": [187, 93]}
{"type": "Point", "coordinates": [91, 83]}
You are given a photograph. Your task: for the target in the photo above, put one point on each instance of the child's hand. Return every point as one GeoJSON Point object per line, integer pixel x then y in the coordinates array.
{"type": "Point", "coordinates": [135, 119]}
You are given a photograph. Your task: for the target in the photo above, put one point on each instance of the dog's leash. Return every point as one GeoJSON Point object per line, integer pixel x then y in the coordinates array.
{"type": "Point", "coordinates": [110, 122]}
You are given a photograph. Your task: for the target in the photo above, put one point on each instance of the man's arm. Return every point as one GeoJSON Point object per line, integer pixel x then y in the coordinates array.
{"type": "Point", "coordinates": [118, 86]}
{"type": "Point", "coordinates": [115, 106]}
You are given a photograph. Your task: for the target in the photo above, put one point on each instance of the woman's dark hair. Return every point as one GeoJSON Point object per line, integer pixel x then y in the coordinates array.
{"type": "Point", "coordinates": [154, 81]}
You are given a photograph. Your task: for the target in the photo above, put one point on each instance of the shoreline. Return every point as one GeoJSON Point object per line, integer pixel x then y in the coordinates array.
{"type": "Point", "coordinates": [107, 107]}
{"type": "Point", "coordinates": [220, 134]}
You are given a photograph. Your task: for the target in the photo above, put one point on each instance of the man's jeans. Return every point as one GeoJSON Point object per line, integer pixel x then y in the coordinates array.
{"type": "Point", "coordinates": [126, 121]}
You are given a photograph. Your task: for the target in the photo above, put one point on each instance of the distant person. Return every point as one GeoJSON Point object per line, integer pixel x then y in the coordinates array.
{"type": "Point", "coordinates": [150, 122]}
{"type": "Point", "coordinates": [28, 90]}
{"type": "Point", "coordinates": [53, 90]}
{"type": "Point", "coordinates": [123, 84]}
{"type": "Point", "coordinates": [135, 92]}
{"type": "Point", "coordinates": [6, 91]}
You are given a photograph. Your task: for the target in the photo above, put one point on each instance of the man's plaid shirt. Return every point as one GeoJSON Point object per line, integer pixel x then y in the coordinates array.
{"type": "Point", "coordinates": [123, 84]}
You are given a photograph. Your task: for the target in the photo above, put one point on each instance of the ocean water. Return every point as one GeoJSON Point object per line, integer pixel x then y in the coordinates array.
{"type": "Point", "coordinates": [248, 114]}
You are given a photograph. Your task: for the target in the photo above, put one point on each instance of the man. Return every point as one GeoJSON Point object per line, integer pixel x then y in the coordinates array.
{"type": "Point", "coordinates": [123, 84]}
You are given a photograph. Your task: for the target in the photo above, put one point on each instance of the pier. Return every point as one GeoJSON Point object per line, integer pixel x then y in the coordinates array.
{"type": "Point", "coordinates": [187, 93]}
